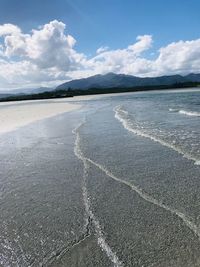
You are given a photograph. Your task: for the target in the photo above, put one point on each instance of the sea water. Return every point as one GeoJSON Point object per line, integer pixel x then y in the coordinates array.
{"type": "Point", "coordinates": [114, 184]}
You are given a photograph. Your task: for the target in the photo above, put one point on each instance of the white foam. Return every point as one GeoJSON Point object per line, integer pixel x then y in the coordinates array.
{"type": "Point", "coordinates": [173, 110]}
{"type": "Point", "coordinates": [101, 240]}
{"type": "Point", "coordinates": [150, 199]}
{"type": "Point", "coordinates": [100, 236]}
{"type": "Point", "coordinates": [185, 112]}
{"type": "Point", "coordinates": [125, 122]}
{"type": "Point", "coordinates": [189, 113]}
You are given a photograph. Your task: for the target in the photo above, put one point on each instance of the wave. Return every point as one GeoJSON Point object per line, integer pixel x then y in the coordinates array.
{"type": "Point", "coordinates": [91, 217]}
{"type": "Point", "coordinates": [173, 110]}
{"type": "Point", "coordinates": [101, 240]}
{"type": "Point", "coordinates": [122, 116]}
{"type": "Point", "coordinates": [189, 113]}
{"type": "Point", "coordinates": [185, 112]}
{"type": "Point", "coordinates": [149, 198]}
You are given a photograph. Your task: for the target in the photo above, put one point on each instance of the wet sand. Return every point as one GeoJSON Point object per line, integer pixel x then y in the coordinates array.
{"type": "Point", "coordinates": [79, 189]}
{"type": "Point", "coordinates": [16, 114]}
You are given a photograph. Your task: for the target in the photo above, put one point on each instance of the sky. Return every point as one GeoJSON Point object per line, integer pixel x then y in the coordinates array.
{"type": "Point", "coordinates": [48, 42]}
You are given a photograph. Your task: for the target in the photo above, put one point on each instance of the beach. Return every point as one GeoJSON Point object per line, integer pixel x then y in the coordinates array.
{"type": "Point", "coordinates": [101, 181]}
{"type": "Point", "coordinates": [19, 114]}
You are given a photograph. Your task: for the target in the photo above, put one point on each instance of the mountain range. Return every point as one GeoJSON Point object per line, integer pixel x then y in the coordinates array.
{"type": "Point", "coordinates": [25, 91]}
{"type": "Point", "coordinates": [111, 80]}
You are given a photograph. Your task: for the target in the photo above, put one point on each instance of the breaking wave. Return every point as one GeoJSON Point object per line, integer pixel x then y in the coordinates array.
{"type": "Point", "coordinates": [122, 116]}
{"type": "Point", "coordinates": [185, 112]}
{"type": "Point", "coordinates": [189, 113]}
{"type": "Point", "coordinates": [145, 196]}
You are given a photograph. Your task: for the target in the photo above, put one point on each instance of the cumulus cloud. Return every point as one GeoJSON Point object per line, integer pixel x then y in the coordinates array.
{"type": "Point", "coordinates": [46, 47]}
{"type": "Point", "coordinates": [102, 49]}
{"type": "Point", "coordinates": [47, 55]}
{"type": "Point", "coordinates": [143, 43]}
{"type": "Point", "coordinates": [121, 60]}
{"type": "Point", "coordinates": [180, 57]}
{"type": "Point", "coordinates": [7, 29]}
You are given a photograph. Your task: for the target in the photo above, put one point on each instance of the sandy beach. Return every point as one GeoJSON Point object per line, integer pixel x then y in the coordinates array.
{"type": "Point", "coordinates": [109, 184]}
{"type": "Point", "coordinates": [20, 113]}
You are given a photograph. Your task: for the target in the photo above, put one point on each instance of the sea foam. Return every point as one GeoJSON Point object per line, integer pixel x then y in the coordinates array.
{"type": "Point", "coordinates": [98, 229]}
{"type": "Point", "coordinates": [122, 116]}
{"type": "Point", "coordinates": [185, 112]}
{"type": "Point", "coordinates": [145, 196]}
{"type": "Point", "coordinates": [189, 113]}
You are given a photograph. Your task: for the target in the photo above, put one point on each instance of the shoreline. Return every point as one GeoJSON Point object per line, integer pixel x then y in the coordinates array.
{"type": "Point", "coordinates": [95, 92]}
{"type": "Point", "coordinates": [16, 115]}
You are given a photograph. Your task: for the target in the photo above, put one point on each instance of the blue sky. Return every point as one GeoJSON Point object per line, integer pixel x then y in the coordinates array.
{"type": "Point", "coordinates": [114, 24]}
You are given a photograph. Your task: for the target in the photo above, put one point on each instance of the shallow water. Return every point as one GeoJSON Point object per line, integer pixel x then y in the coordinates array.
{"type": "Point", "coordinates": [116, 184]}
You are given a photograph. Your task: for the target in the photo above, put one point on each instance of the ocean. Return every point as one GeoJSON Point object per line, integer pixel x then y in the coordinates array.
{"type": "Point", "coordinates": [115, 183]}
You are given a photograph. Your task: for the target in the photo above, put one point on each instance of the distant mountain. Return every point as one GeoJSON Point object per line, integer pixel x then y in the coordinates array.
{"type": "Point", "coordinates": [4, 95]}
{"type": "Point", "coordinates": [112, 80]}
{"type": "Point", "coordinates": [39, 90]}
{"type": "Point", "coordinates": [98, 84]}
{"type": "Point", "coordinates": [26, 91]}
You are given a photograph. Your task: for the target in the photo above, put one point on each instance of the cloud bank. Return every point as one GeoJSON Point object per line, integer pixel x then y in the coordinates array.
{"type": "Point", "coordinates": [47, 56]}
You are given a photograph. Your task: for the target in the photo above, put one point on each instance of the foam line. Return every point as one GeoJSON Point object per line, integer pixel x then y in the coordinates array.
{"type": "Point", "coordinates": [189, 113]}
{"type": "Point", "coordinates": [193, 227]}
{"type": "Point", "coordinates": [149, 199]}
{"type": "Point", "coordinates": [100, 235]}
{"type": "Point", "coordinates": [129, 127]}
{"type": "Point", "coordinates": [185, 112]}
{"type": "Point", "coordinates": [101, 239]}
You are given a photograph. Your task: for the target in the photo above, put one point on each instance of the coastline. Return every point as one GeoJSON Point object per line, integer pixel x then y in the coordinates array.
{"type": "Point", "coordinates": [65, 93]}
{"type": "Point", "coordinates": [15, 115]}
{"type": "Point", "coordinates": [79, 192]}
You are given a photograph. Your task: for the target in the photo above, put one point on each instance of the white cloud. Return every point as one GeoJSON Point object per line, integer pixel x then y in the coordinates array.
{"type": "Point", "coordinates": [47, 47]}
{"type": "Point", "coordinates": [47, 55]}
{"type": "Point", "coordinates": [180, 57]}
{"type": "Point", "coordinates": [121, 60]}
{"type": "Point", "coordinates": [143, 43]}
{"type": "Point", "coordinates": [6, 29]}
{"type": "Point", "coordinates": [42, 56]}
{"type": "Point", "coordinates": [102, 49]}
